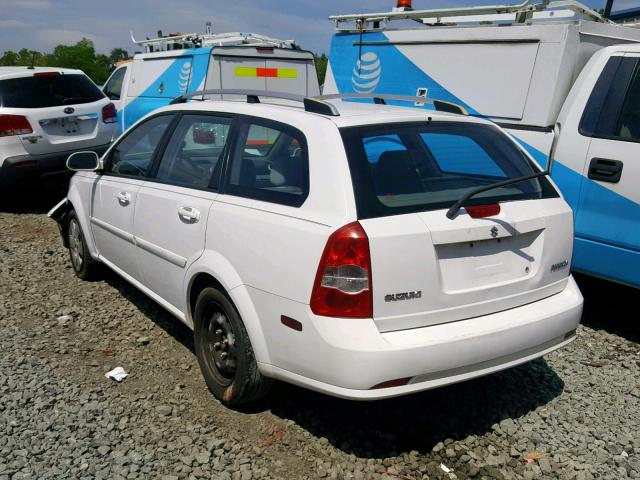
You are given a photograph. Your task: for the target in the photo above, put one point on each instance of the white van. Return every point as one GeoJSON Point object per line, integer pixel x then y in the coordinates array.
{"type": "Point", "coordinates": [549, 73]}
{"type": "Point", "coordinates": [175, 65]}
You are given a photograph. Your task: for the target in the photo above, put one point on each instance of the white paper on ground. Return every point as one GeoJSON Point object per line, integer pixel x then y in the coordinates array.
{"type": "Point", "coordinates": [118, 374]}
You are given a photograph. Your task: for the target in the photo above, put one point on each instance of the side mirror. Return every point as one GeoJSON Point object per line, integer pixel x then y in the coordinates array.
{"type": "Point", "coordinates": [83, 161]}
{"type": "Point", "coordinates": [552, 150]}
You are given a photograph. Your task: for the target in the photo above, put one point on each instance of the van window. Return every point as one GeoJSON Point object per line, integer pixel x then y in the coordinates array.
{"type": "Point", "coordinates": [132, 156]}
{"type": "Point", "coordinates": [194, 151]}
{"type": "Point", "coordinates": [413, 167]}
{"type": "Point", "coordinates": [270, 162]}
{"type": "Point", "coordinates": [113, 88]}
{"type": "Point", "coordinates": [48, 91]}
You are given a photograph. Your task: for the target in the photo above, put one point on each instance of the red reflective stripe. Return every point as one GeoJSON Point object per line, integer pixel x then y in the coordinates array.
{"type": "Point", "coordinates": [267, 72]}
{"type": "Point", "coordinates": [258, 142]}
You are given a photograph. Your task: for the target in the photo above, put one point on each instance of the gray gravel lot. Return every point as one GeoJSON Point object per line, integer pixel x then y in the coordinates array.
{"type": "Point", "coordinates": [574, 414]}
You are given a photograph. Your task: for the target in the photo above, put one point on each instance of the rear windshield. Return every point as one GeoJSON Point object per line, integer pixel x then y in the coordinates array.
{"type": "Point", "coordinates": [48, 91]}
{"type": "Point", "coordinates": [413, 167]}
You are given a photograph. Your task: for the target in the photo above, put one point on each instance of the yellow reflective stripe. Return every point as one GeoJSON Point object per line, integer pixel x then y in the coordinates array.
{"type": "Point", "coordinates": [287, 73]}
{"type": "Point", "coordinates": [246, 72]}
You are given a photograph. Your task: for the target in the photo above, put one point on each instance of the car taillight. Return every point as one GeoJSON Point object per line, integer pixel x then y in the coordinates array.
{"type": "Point", "coordinates": [343, 282]}
{"type": "Point", "coordinates": [14, 125]}
{"type": "Point", "coordinates": [109, 113]}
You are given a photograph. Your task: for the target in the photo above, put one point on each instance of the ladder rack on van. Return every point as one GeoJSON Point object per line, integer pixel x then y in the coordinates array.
{"type": "Point", "coordinates": [522, 13]}
{"type": "Point", "coordinates": [321, 104]}
{"type": "Point", "coordinates": [196, 40]}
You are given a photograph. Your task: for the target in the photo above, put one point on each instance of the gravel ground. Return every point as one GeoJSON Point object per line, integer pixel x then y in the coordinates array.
{"type": "Point", "coordinates": [574, 414]}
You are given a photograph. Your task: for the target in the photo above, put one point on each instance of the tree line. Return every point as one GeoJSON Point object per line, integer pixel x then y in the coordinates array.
{"type": "Point", "coordinates": [81, 56]}
{"type": "Point", "coordinates": [97, 66]}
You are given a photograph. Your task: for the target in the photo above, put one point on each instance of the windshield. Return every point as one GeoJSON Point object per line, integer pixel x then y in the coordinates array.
{"type": "Point", "coordinates": [412, 167]}
{"type": "Point", "coordinates": [48, 91]}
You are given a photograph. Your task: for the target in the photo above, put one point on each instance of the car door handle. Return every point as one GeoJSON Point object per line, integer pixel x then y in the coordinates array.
{"type": "Point", "coordinates": [189, 214]}
{"type": "Point", "coordinates": [605, 170]}
{"type": "Point", "coordinates": [124, 198]}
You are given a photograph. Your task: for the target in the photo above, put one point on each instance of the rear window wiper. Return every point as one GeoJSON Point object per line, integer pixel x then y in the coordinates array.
{"type": "Point", "coordinates": [455, 208]}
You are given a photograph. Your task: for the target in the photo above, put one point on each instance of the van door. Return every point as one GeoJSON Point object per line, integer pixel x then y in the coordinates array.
{"type": "Point", "coordinates": [115, 89]}
{"type": "Point", "coordinates": [289, 76]}
{"type": "Point", "coordinates": [608, 215]}
{"type": "Point", "coordinates": [242, 73]}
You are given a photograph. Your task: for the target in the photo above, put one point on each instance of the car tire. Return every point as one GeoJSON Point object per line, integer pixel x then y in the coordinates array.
{"type": "Point", "coordinates": [83, 265]}
{"type": "Point", "coordinates": [224, 351]}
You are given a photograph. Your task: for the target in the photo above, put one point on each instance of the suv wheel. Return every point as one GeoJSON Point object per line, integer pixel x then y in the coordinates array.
{"type": "Point", "coordinates": [83, 265]}
{"type": "Point", "coordinates": [224, 351]}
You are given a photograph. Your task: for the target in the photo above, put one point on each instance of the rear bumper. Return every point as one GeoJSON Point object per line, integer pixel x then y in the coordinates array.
{"type": "Point", "coordinates": [23, 168]}
{"type": "Point", "coordinates": [345, 358]}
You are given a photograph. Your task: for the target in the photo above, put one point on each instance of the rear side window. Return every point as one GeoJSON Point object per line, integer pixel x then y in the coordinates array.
{"type": "Point", "coordinates": [613, 109]}
{"type": "Point", "coordinates": [48, 91]}
{"type": "Point", "coordinates": [133, 154]}
{"type": "Point", "coordinates": [195, 150]}
{"type": "Point", "coordinates": [270, 162]}
{"type": "Point", "coordinates": [628, 127]}
{"type": "Point", "coordinates": [412, 167]}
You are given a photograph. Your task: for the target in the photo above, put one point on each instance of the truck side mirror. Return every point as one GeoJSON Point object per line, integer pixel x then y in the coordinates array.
{"type": "Point", "coordinates": [552, 150]}
{"type": "Point", "coordinates": [83, 161]}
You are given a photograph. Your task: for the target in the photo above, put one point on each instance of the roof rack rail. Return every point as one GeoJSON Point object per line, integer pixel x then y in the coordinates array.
{"type": "Point", "coordinates": [380, 98]}
{"type": "Point", "coordinates": [321, 104]}
{"type": "Point", "coordinates": [311, 104]}
{"type": "Point", "coordinates": [523, 12]}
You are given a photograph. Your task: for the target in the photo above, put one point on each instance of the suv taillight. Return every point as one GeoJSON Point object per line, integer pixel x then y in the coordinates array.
{"type": "Point", "coordinates": [109, 113]}
{"type": "Point", "coordinates": [343, 282]}
{"type": "Point", "coordinates": [14, 125]}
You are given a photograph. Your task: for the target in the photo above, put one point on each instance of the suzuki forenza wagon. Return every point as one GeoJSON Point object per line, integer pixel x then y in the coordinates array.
{"type": "Point", "coordinates": [361, 250]}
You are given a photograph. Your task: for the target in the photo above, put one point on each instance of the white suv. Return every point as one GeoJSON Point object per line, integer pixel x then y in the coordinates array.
{"type": "Point", "coordinates": [46, 114]}
{"type": "Point", "coordinates": [323, 246]}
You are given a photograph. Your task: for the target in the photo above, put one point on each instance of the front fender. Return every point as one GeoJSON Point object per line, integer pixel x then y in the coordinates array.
{"type": "Point", "coordinates": [217, 266]}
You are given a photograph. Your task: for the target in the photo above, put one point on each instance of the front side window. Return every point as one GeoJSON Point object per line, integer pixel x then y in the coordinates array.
{"type": "Point", "coordinates": [132, 156]}
{"type": "Point", "coordinates": [195, 151]}
{"type": "Point", "coordinates": [270, 162]}
{"type": "Point", "coordinates": [412, 167]}
{"type": "Point", "coordinates": [113, 88]}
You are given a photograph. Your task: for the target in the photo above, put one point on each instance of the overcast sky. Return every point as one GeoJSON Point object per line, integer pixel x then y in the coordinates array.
{"type": "Point", "coordinates": [43, 24]}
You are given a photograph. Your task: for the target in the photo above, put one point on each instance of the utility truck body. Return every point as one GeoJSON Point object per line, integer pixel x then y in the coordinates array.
{"type": "Point", "coordinates": [553, 78]}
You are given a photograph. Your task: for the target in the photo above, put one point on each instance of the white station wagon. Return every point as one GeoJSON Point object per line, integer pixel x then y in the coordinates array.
{"type": "Point", "coordinates": [361, 250]}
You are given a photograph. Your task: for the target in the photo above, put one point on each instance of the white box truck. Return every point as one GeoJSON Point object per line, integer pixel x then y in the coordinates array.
{"type": "Point", "coordinates": [555, 75]}
{"type": "Point", "coordinates": [178, 64]}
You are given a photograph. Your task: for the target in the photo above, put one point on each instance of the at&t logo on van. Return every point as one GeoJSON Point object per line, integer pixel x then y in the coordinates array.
{"type": "Point", "coordinates": [366, 73]}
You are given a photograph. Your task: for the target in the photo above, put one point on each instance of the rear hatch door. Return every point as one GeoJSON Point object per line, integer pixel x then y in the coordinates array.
{"type": "Point", "coordinates": [64, 111]}
{"type": "Point", "coordinates": [428, 268]}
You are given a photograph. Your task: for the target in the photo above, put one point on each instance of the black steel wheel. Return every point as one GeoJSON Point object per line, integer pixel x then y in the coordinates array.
{"type": "Point", "coordinates": [224, 350]}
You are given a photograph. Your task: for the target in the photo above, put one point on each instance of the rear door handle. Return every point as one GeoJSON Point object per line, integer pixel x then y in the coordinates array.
{"type": "Point", "coordinates": [124, 198]}
{"type": "Point", "coordinates": [189, 214]}
{"type": "Point", "coordinates": [605, 170]}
